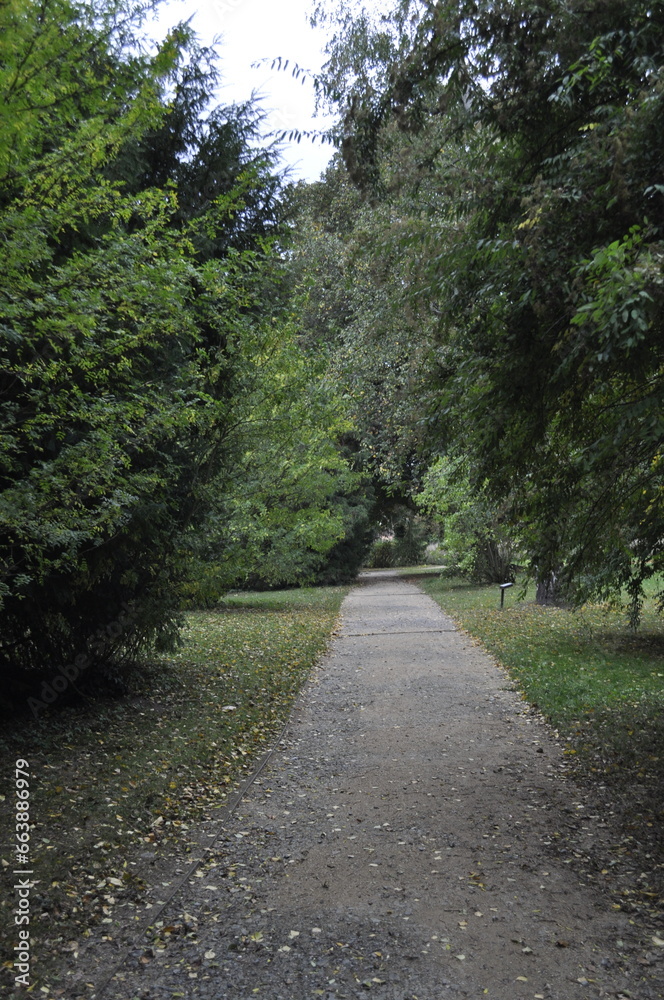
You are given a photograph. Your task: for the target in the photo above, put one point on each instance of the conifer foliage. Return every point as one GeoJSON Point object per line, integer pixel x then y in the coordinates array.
{"type": "Point", "coordinates": [138, 268]}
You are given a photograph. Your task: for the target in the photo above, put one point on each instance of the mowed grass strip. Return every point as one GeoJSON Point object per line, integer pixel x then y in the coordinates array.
{"type": "Point", "coordinates": [113, 779]}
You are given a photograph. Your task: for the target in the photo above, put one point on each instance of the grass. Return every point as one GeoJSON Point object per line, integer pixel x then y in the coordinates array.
{"type": "Point", "coordinates": [113, 778]}
{"type": "Point", "coordinates": [601, 685]}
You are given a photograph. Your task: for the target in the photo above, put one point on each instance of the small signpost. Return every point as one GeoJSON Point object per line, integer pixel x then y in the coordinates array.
{"type": "Point", "coordinates": [503, 588]}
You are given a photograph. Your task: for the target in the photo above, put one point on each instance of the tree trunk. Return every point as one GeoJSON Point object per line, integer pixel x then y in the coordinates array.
{"type": "Point", "coordinates": [549, 590]}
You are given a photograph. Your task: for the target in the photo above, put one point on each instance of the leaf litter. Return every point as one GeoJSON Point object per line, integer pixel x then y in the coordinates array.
{"type": "Point", "coordinates": [118, 784]}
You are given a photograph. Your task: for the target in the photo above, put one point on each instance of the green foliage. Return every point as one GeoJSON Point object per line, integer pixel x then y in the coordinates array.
{"type": "Point", "coordinates": [407, 544]}
{"type": "Point", "coordinates": [476, 542]}
{"type": "Point", "coordinates": [131, 315]}
{"type": "Point", "coordinates": [290, 497]}
{"type": "Point", "coordinates": [525, 139]}
{"type": "Point", "coordinates": [345, 558]}
{"type": "Point", "coordinates": [411, 535]}
{"type": "Point", "coordinates": [351, 272]}
{"type": "Point", "coordinates": [381, 555]}
{"type": "Point", "coordinates": [72, 84]}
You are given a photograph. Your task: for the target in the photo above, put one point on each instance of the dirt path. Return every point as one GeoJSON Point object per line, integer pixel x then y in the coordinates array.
{"type": "Point", "coordinates": [401, 843]}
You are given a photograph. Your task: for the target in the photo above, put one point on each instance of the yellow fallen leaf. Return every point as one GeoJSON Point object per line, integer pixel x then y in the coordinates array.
{"type": "Point", "coordinates": [522, 979]}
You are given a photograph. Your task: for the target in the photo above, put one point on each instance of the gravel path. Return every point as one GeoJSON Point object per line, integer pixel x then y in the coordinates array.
{"type": "Point", "coordinates": [402, 842]}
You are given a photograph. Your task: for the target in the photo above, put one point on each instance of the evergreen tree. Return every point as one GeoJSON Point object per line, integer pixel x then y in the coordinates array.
{"type": "Point", "coordinates": [131, 303]}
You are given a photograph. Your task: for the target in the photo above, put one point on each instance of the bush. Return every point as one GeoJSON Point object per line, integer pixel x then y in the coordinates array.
{"type": "Point", "coordinates": [478, 544]}
{"type": "Point", "coordinates": [343, 561]}
{"type": "Point", "coordinates": [410, 541]}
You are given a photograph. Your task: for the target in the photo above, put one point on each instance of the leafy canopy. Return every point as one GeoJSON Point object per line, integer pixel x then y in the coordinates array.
{"type": "Point", "coordinates": [528, 136]}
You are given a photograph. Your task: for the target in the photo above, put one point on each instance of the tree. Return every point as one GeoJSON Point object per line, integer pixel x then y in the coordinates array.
{"type": "Point", "coordinates": [535, 145]}
{"type": "Point", "coordinates": [282, 511]}
{"type": "Point", "coordinates": [351, 270]}
{"type": "Point", "coordinates": [127, 313]}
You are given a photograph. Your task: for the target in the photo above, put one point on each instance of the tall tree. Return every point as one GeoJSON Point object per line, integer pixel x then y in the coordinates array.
{"type": "Point", "coordinates": [128, 305]}
{"type": "Point", "coordinates": [353, 265]}
{"type": "Point", "coordinates": [535, 148]}
{"type": "Point", "coordinates": [280, 513]}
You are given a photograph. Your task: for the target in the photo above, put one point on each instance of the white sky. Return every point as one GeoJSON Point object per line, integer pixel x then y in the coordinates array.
{"type": "Point", "coordinates": [251, 30]}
